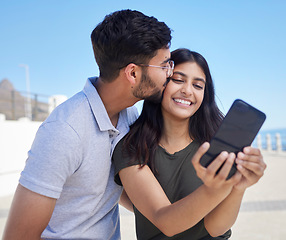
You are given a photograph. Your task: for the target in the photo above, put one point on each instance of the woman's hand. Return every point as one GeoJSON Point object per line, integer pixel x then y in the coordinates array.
{"type": "Point", "coordinates": [213, 180]}
{"type": "Point", "coordinates": [251, 165]}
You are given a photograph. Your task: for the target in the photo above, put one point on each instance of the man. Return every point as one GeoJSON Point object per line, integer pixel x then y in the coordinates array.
{"type": "Point", "coordinates": [66, 190]}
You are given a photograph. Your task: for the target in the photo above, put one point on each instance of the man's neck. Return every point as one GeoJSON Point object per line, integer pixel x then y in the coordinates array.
{"type": "Point", "coordinates": [115, 97]}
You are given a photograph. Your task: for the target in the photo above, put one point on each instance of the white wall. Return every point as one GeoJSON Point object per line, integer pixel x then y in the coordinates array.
{"type": "Point", "coordinates": [16, 138]}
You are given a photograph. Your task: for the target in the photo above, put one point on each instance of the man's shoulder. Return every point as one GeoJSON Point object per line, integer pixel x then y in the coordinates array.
{"type": "Point", "coordinates": [74, 115]}
{"type": "Point", "coordinates": [76, 105]}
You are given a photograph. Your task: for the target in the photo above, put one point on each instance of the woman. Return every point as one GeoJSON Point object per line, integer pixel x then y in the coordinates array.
{"type": "Point", "coordinates": [157, 163]}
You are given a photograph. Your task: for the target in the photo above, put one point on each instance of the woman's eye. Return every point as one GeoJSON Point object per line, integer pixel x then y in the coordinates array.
{"type": "Point", "coordinates": [198, 86]}
{"type": "Point", "coordinates": [177, 80]}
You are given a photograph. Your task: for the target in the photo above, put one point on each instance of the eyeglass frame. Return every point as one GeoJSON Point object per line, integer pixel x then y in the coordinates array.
{"type": "Point", "coordinates": [170, 68]}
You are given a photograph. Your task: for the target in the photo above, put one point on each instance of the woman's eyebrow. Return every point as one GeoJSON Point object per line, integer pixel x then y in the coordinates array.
{"type": "Point", "coordinates": [180, 73]}
{"type": "Point", "coordinates": [201, 80]}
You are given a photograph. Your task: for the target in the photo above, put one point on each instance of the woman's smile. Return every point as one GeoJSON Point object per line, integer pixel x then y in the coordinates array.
{"type": "Point", "coordinates": [182, 101]}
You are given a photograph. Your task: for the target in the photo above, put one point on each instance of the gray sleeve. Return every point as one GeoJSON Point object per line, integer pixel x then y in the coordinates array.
{"type": "Point", "coordinates": [54, 156]}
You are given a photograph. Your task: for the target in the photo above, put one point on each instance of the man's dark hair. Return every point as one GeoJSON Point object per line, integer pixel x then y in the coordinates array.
{"type": "Point", "coordinates": [124, 37]}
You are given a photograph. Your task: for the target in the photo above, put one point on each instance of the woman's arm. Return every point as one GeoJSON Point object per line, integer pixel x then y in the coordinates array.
{"type": "Point", "coordinates": [221, 219]}
{"type": "Point", "coordinates": [149, 198]}
{"type": "Point", "coordinates": [251, 166]}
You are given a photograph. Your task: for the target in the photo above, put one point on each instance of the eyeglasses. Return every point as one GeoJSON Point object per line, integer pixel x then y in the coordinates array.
{"type": "Point", "coordinates": [169, 69]}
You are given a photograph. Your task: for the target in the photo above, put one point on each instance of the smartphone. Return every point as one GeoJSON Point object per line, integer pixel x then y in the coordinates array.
{"type": "Point", "coordinates": [237, 130]}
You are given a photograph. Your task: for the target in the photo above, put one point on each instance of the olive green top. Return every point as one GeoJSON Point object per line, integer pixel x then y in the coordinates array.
{"type": "Point", "coordinates": [178, 179]}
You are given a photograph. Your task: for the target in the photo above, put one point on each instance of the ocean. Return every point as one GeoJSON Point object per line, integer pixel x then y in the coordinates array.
{"type": "Point", "coordinates": [272, 132]}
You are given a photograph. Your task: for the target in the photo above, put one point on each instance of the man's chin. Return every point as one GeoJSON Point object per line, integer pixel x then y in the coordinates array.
{"type": "Point", "coordinates": [156, 97]}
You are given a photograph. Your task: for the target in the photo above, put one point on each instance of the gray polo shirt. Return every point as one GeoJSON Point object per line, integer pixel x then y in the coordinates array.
{"type": "Point", "coordinates": [70, 160]}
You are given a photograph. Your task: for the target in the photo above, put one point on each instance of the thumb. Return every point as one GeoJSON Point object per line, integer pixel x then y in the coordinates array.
{"type": "Point", "coordinates": [200, 152]}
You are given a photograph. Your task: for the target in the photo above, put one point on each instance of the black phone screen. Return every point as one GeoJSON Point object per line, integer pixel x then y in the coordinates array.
{"type": "Point", "coordinates": [238, 130]}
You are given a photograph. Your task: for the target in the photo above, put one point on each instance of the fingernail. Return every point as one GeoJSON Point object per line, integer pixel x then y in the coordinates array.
{"type": "Point", "coordinates": [205, 145]}
{"type": "Point", "coordinates": [239, 167]}
{"type": "Point", "coordinates": [232, 155]}
{"type": "Point", "coordinates": [239, 161]}
{"type": "Point", "coordinates": [224, 154]}
{"type": "Point", "coordinates": [246, 150]}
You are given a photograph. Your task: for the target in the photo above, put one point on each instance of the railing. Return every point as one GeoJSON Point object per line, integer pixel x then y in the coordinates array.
{"type": "Point", "coordinates": [36, 107]}
{"type": "Point", "coordinates": [278, 145]}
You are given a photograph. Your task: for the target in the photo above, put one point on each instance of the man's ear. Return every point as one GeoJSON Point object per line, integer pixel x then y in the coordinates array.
{"type": "Point", "coordinates": [131, 73]}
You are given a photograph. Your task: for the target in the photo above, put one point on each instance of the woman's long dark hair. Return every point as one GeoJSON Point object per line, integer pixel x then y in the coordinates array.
{"type": "Point", "coordinates": [143, 138]}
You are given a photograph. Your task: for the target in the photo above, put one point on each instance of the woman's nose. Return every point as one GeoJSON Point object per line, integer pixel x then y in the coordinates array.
{"type": "Point", "coordinates": [187, 89]}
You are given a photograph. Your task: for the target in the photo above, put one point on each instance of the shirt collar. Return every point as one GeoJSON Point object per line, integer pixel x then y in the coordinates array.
{"type": "Point", "coordinates": [97, 106]}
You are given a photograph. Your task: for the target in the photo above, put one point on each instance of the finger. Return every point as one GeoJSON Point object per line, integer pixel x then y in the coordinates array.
{"type": "Point", "coordinates": [217, 163]}
{"type": "Point", "coordinates": [224, 171]}
{"type": "Point", "coordinates": [245, 172]}
{"type": "Point", "coordinates": [235, 178]}
{"type": "Point", "coordinates": [251, 151]}
{"type": "Point", "coordinates": [251, 158]}
{"type": "Point", "coordinates": [257, 169]}
{"type": "Point", "coordinates": [200, 152]}
{"type": "Point", "coordinates": [250, 176]}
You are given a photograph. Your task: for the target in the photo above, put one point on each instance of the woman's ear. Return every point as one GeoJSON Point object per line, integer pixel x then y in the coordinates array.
{"type": "Point", "coordinates": [131, 73]}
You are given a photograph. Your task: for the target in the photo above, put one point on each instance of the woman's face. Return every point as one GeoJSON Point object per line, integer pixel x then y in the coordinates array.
{"type": "Point", "coordinates": [185, 92]}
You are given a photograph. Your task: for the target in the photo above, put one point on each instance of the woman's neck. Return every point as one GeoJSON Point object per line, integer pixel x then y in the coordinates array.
{"type": "Point", "coordinates": [175, 135]}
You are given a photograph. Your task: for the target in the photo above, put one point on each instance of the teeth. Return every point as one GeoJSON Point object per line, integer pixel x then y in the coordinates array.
{"type": "Point", "coordinates": [182, 101]}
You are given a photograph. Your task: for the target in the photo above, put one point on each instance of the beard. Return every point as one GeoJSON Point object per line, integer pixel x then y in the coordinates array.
{"type": "Point", "coordinates": [147, 89]}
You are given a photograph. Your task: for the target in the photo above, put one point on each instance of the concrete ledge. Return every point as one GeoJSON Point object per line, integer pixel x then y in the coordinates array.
{"type": "Point", "coordinates": [15, 140]}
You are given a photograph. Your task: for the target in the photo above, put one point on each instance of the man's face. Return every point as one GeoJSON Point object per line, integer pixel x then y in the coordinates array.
{"type": "Point", "coordinates": [151, 88]}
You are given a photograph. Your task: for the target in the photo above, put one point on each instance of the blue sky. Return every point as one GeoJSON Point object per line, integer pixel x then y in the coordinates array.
{"type": "Point", "coordinates": [243, 41]}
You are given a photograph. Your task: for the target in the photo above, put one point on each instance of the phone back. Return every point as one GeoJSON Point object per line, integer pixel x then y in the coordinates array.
{"type": "Point", "coordinates": [238, 130]}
